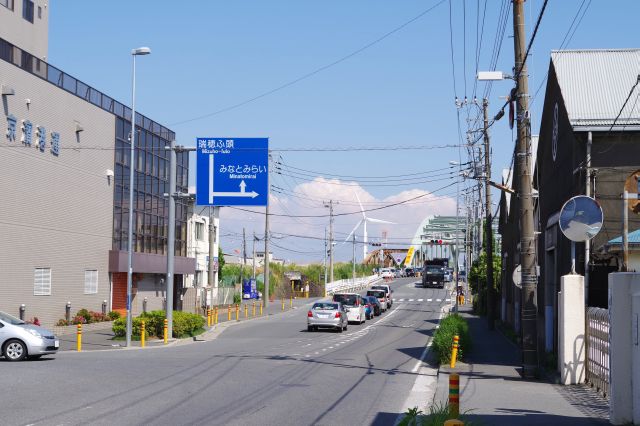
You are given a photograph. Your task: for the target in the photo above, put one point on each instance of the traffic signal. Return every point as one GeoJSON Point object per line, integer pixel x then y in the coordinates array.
{"type": "Point", "coordinates": [436, 242]}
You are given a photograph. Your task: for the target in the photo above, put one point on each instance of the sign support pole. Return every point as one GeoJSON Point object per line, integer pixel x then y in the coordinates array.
{"type": "Point", "coordinates": [171, 235]}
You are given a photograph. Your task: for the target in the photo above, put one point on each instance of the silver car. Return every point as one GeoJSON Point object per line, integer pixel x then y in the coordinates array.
{"type": "Point", "coordinates": [19, 340]}
{"type": "Point", "coordinates": [327, 315]}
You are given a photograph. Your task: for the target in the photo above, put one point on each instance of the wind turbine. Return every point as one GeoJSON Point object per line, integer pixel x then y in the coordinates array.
{"type": "Point", "coordinates": [363, 222]}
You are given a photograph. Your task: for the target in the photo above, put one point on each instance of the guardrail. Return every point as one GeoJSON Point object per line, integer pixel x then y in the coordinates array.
{"type": "Point", "coordinates": [350, 285]}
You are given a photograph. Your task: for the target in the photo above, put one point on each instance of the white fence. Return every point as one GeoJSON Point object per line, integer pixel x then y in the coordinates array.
{"type": "Point", "coordinates": [349, 285]}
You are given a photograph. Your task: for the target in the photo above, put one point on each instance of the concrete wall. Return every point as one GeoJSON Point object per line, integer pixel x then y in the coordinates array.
{"type": "Point", "coordinates": [56, 211]}
{"type": "Point", "coordinates": [32, 37]}
{"type": "Point", "coordinates": [198, 249]}
{"type": "Point", "coordinates": [151, 287]}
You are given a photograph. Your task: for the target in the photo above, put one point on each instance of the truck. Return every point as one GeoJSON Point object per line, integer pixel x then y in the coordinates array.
{"type": "Point", "coordinates": [433, 273]}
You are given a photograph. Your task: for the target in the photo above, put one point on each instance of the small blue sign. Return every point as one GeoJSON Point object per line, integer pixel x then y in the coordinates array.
{"type": "Point", "coordinates": [232, 171]}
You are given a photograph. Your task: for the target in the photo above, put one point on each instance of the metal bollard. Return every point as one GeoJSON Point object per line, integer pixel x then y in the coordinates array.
{"type": "Point", "coordinates": [253, 308]}
{"type": "Point", "coordinates": [261, 308]}
{"type": "Point", "coordinates": [79, 341]}
{"type": "Point", "coordinates": [283, 304]}
{"type": "Point", "coordinates": [143, 333]}
{"type": "Point", "coordinates": [237, 312]}
{"type": "Point", "coordinates": [208, 317]}
{"type": "Point", "coordinates": [246, 311]}
{"type": "Point", "coordinates": [166, 331]}
{"type": "Point", "coordinates": [454, 422]}
{"type": "Point", "coordinates": [454, 352]}
{"type": "Point", "coordinates": [229, 313]}
{"type": "Point", "coordinates": [454, 395]}
{"type": "Point", "coordinates": [215, 315]}
{"type": "Point", "coordinates": [291, 302]}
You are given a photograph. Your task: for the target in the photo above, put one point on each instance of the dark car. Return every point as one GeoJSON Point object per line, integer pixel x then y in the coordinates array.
{"type": "Point", "coordinates": [375, 305]}
{"type": "Point", "coordinates": [410, 272]}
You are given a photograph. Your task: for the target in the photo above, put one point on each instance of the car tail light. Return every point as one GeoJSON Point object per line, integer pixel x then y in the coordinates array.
{"type": "Point", "coordinates": [309, 314]}
{"type": "Point", "coordinates": [338, 315]}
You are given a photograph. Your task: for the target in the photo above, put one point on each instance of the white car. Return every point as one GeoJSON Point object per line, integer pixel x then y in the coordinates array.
{"type": "Point", "coordinates": [354, 306]}
{"type": "Point", "coordinates": [387, 290]}
{"type": "Point", "coordinates": [386, 273]}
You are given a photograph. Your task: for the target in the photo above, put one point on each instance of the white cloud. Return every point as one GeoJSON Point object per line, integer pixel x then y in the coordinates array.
{"type": "Point", "coordinates": [306, 199]}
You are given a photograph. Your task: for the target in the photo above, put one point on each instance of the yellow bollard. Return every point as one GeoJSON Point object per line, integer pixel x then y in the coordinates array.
{"type": "Point", "coordinates": [208, 317]}
{"type": "Point", "coordinates": [237, 312]}
{"type": "Point", "coordinates": [143, 333]}
{"type": "Point", "coordinates": [260, 308]}
{"type": "Point", "coordinates": [454, 422]}
{"type": "Point", "coordinates": [215, 316]}
{"type": "Point", "coordinates": [253, 308]}
{"type": "Point", "coordinates": [246, 311]}
{"type": "Point", "coordinates": [454, 395]}
{"type": "Point", "coordinates": [454, 351]}
{"type": "Point", "coordinates": [229, 313]}
{"type": "Point", "coordinates": [79, 342]}
{"type": "Point", "coordinates": [283, 304]}
{"type": "Point", "coordinates": [291, 302]}
{"type": "Point", "coordinates": [166, 331]}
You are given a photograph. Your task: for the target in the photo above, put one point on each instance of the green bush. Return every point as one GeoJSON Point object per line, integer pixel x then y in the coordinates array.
{"type": "Point", "coordinates": [186, 324]}
{"type": "Point", "coordinates": [154, 322]}
{"type": "Point", "coordinates": [451, 325]}
{"type": "Point", "coordinates": [84, 314]}
{"type": "Point", "coordinates": [114, 315]}
{"type": "Point", "coordinates": [119, 327]}
{"type": "Point", "coordinates": [237, 298]}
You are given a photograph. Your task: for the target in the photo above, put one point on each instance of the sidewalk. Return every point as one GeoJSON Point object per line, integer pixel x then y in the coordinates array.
{"type": "Point", "coordinates": [104, 339]}
{"type": "Point", "coordinates": [492, 391]}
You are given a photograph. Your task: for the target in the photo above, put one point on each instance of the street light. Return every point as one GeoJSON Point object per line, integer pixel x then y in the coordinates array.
{"type": "Point", "coordinates": [132, 164]}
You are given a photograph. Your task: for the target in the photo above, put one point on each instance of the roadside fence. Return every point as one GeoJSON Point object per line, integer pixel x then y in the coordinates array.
{"type": "Point", "coordinates": [597, 368]}
{"type": "Point", "coordinates": [350, 285]}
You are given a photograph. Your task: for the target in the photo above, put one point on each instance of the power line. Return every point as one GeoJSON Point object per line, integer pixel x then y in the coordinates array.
{"type": "Point", "coordinates": [366, 177]}
{"type": "Point", "coordinates": [312, 73]}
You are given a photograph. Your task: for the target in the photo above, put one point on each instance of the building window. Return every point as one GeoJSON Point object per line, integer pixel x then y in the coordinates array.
{"type": "Point", "coordinates": [27, 10]}
{"type": "Point", "coordinates": [91, 281]}
{"type": "Point", "coordinates": [7, 3]}
{"type": "Point", "coordinates": [39, 12]}
{"type": "Point", "coordinates": [42, 282]}
{"type": "Point", "coordinates": [199, 231]}
{"type": "Point", "coordinates": [197, 279]}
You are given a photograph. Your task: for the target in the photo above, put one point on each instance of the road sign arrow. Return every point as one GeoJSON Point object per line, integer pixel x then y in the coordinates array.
{"type": "Point", "coordinates": [243, 185]}
{"type": "Point", "coordinates": [252, 194]}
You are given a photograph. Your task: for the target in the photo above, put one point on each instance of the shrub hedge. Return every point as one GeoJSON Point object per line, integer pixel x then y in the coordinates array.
{"type": "Point", "coordinates": [451, 325]}
{"type": "Point", "coordinates": [185, 324]}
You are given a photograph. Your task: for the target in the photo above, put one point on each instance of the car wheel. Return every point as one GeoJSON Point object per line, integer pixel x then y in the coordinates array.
{"type": "Point", "coordinates": [340, 329]}
{"type": "Point", "coordinates": [309, 328]}
{"type": "Point", "coordinates": [15, 350]}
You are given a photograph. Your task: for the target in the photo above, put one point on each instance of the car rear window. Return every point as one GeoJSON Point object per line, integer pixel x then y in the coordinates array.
{"type": "Point", "coordinates": [346, 299]}
{"type": "Point", "coordinates": [325, 306]}
{"type": "Point", "coordinates": [378, 287]}
{"type": "Point", "coordinates": [377, 294]}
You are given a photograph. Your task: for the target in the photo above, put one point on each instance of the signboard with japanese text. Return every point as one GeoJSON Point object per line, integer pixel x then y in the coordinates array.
{"type": "Point", "coordinates": [232, 171]}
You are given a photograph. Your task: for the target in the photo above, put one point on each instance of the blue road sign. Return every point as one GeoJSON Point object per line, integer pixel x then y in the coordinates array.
{"type": "Point", "coordinates": [232, 171]}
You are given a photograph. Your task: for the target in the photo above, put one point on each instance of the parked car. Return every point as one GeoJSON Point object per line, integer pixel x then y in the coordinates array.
{"type": "Point", "coordinates": [381, 295]}
{"type": "Point", "coordinates": [353, 305]}
{"type": "Point", "coordinates": [376, 306]}
{"type": "Point", "coordinates": [19, 340]}
{"type": "Point", "coordinates": [327, 315]}
{"type": "Point", "coordinates": [410, 272]}
{"type": "Point", "coordinates": [387, 289]}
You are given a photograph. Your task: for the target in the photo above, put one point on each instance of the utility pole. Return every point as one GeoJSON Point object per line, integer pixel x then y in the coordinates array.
{"type": "Point", "coordinates": [266, 255]}
{"type": "Point", "coordinates": [330, 206]}
{"type": "Point", "coordinates": [527, 235]}
{"type": "Point", "coordinates": [488, 216]}
{"type": "Point", "coordinates": [325, 261]}
{"type": "Point", "coordinates": [244, 255]}
{"type": "Point", "coordinates": [253, 275]}
{"type": "Point", "coordinates": [171, 235]}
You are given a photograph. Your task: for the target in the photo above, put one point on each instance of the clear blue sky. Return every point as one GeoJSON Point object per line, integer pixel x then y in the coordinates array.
{"type": "Point", "coordinates": [208, 55]}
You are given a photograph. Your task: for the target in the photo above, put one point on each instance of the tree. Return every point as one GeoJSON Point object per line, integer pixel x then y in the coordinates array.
{"type": "Point", "coordinates": [220, 261]}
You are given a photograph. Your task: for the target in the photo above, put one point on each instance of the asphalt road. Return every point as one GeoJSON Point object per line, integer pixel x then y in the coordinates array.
{"type": "Point", "coordinates": [267, 372]}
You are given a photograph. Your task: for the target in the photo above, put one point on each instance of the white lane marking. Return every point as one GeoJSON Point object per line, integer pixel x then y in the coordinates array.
{"type": "Point", "coordinates": [410, 300]}
{"type": "Point", "coordinates": [447, 300]}
{"type": "Point", "coordinates": [420, 300]}
{"type": "Point", "coordinates": [429, 300]}
{"type": "Point", "coordinates": [400, 300]}
{"type": "Point", "coordinates": [438, 300]}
